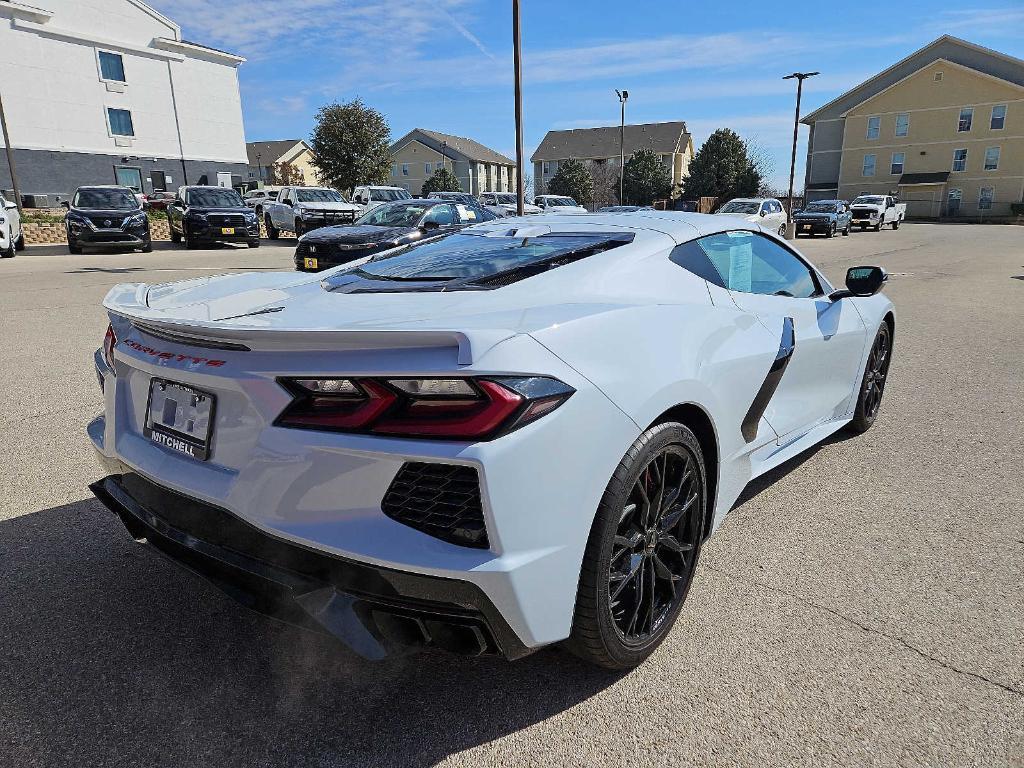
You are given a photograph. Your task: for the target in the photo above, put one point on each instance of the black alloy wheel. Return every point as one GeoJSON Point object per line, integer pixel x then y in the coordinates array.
{"type": "Point", "coordinates": [869, 402]}
{"type": "Point", "coordinates": [654, 548]}
{"type": "Point", "coordinates": [643, 549]}
{"type": "Point", "coordinates": [831, 232]}
{"type": "Point", "coordinates": [782, 231]}
{"type": "Point", "coordinates": [8, 252]}
{"type": "Point", "coordinates": [272, 232]}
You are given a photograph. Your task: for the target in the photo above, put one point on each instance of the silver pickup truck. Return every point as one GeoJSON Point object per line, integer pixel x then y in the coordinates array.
{"type": "Point", "coordinates": [301, 209]}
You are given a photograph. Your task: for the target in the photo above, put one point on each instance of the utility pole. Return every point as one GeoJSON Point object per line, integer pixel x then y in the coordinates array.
{"type": "Point", "coordinates": [518, 65]}
{"type": "Point", "coordinates": [10, 158]}
{"type": "Point", "coordinates": [259, 170]}
{"type": "Point", "coordinates": [799, 77]}
{"type": "Point", "coordinates": [623, 95]}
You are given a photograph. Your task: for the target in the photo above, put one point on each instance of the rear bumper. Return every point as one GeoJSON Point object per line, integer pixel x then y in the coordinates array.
{"type": "Point", "coordinates": [372, 610]}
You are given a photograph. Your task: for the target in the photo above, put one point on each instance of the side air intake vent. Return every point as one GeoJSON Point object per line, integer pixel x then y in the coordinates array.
{"type": "Point", "coordinates": [442, 500]}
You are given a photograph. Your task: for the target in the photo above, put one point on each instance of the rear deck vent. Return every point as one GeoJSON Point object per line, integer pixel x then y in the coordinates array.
{"type": "Point", "coordinates": [442, 500]}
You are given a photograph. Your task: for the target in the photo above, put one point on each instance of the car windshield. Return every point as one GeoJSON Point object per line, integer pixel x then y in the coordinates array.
{"type": "Point", "coordinates": [396, 215]}
{"type": "Point", "coordinates": [389, 195]}
{"type": "Point", "coordinates": [107, 199]}
{"type": "Point", "coordinates": [214, 197]}
{"type": "Point", "coordinates": [821, 208]}
{"type": "Point", "coordinates": [318, 196]}
{"type": "Point", "coordinates": [869, 200]}
{"type": "Point", "coordinates": [505, 199]}
{"type": "Point", "coordinates": [558, 201]}
{"type": "Point", "coordinates": [477, 256]}
{"type": "Point", "coordinates": [740, 206]}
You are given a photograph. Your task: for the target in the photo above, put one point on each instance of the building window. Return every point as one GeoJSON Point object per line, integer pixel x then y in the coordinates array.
{"type": "Point", "coordinates": [120, 122]}
{"type": "Point", "coordinates": [966, 118]}
{"type": "Point", "coordinates": [896, 166]}
{"type": "Point", "coordinates": [868, 169]}
{"type": "Point", "coordinates": [394, 170]}
{"type": "Point", "coordinates": [545, 167]}
{"type": "Point", "coordinates": [938, 77]}
{"type": "Point", "coordinates": [405, 169]}
{"type": "Point", "coordinates": [111, 66]}
{"type": "Point", "coordinates": [874, 126]}
{"type": "Point", "coordinates": [959, 159]}
{"type": "Point", "coordinates": [427, 170]}
{"type": "Point", "coordinates": [992, 159]}
{"type": "Point", "coordinates": [985, 198]}
{"type": "Point", "coordinates": [902, 123]}
{"type": "Point", "coordinates": [953, 202]}
{"type": "Point", "coordinates": [998, 117]}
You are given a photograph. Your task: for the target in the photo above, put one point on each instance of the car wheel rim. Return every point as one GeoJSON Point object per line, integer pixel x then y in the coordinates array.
{"type": "Point", "coordinates": [655, 544]}
{"type": "Point", "coordinates": [878, 366]}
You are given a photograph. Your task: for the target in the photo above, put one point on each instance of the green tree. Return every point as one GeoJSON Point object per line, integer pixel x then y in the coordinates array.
{"type": "Point", "coordinates": [443, 180]}
{"type": "Point", "coordinates": [351, 145]}
{"type": "Point", "coordinates": [723, 168]}
{"type": "Point", "coordinates": [645, 178]}
{"type": "Point", "coordinates": [572, 179]}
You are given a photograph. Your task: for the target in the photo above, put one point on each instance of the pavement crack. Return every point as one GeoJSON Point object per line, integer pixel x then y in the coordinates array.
{"type": "Point", "coordinates": [870, 630]}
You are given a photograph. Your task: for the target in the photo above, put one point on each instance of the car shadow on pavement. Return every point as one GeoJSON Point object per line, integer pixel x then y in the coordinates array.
{"type": "Point", "coordinates": [109, 654]}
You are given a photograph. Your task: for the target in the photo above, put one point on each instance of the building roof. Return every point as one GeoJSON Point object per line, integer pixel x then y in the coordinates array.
{"type": "Point", "coordinates": [948, 48]}
{"type": "Point", "coordinates": [604, 142]}
{"type": "Point", "coordinates": [471, 150]}
{"type": "Point", "coordinates": [937, 177]}
{"type": "Point", "coordinates": [270, 151]}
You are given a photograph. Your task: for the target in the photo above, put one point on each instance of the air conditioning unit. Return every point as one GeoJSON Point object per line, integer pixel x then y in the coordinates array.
{"type": "Point", "coordinates": [35, 201]}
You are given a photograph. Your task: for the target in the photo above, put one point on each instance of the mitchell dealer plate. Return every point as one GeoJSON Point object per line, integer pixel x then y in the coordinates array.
{"type": "Point", "coordinates": [180, 417]}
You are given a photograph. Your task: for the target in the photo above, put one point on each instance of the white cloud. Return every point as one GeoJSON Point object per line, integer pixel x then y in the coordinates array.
{"type": "Point", "coordinates": [987, 21]}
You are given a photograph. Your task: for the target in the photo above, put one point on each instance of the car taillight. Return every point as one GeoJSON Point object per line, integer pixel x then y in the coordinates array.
{"type": "Point", "coordinates": [451, 409]}
{"type": "Point", "coordinates": [109, 340]}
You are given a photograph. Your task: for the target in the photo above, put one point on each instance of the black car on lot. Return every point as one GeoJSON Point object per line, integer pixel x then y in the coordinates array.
{"type": "Point", "coordinates": [212, 215]}
{"type": "Point", "coordinates": [386, 226]}
{"type": "Point", "coordinates": [106, 216]}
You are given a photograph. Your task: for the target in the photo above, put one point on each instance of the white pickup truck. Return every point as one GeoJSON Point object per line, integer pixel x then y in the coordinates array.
{"type": "Point", "coordinates": [876, 211]}
{"type": "Point", "coordinates": [300, 209]}
{"type": "Point", "coordinates": [369, 197]}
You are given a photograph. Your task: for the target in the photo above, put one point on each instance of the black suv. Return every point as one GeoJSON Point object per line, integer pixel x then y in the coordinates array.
{"type": "Point", "coordinates": [212, 215]}
{"type": "Point", "coordinates": [106, 216]}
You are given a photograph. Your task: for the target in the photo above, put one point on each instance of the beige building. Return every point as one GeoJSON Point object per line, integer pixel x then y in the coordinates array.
{"type": "Point", "coordinates": [943, 129]}
{"type": "Point", "coordinates": [599, 148]}
{"type": "Point", "coordinates": [263, 155]}
{"type": "Point", "coordinates": [416, 157]}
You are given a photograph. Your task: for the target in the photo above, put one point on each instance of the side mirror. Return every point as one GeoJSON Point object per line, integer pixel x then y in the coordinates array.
{"type": "Point", "coordinates": [65, 204]}
{"type": "Point", "coordinates": [862, 281]}
{"type": "Point", "coordinates": [10, 206]}
{"type": "Point", "coordinates": [430, 225]}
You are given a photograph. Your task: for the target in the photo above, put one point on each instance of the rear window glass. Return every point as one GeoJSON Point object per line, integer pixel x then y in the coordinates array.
{"type": "Point", "coordinates": [477, 256]}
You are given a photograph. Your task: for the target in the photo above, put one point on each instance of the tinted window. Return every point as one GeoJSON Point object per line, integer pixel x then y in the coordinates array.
{"type": "Point", "coordinates": [388, 195]}
{"type": "Point", "coordinates": [478, 256]}
{"type": "Point", "coordinates": [111, 66]}
{"type": "Point", "coordinates": [739, 206]}
{"type": "Point", "coordinates": [751, 263]}
{"type": "Point", "coordinates": [693, 258]}
{"type": "Point", "coordinates": [107, 199]}
{"type": "Point", "coordinates": [214, 197]}
{"type": "Point", "coordinates": [444, 215]}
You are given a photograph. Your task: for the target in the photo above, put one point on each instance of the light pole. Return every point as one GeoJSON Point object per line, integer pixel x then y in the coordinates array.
{"type": "Point", "coordinates": [259, 170]}
{"type": "Point", "coordinates": [10, 159]}
{"type": "Point", "coordinates": [799, 77]}
{"type": "Point", "coordinates": [623, 95]}
{"type": "Point", "coordinates": [518, 77]}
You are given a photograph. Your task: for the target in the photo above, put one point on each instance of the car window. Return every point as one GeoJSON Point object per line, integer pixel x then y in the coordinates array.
{"type": "Point", "coordinates": [752, 263]}
{"type": "Point", "coordinates": [691, 257]}
{"type": "Point", "coordinates": [443, 215]}
{"type": "Point", "coordinates": [467, 214]}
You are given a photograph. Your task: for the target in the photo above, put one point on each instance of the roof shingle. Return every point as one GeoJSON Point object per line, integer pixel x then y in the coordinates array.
{"type": "Point", "coordinates": [604, 142]}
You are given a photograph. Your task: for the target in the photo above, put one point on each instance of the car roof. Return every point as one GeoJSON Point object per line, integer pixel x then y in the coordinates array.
{"type": "Point", "coordinates": [105, 186]}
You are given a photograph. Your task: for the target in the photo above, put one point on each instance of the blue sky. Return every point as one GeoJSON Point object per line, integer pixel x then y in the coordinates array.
{"type": "Point", "coordinates": [447, 64]}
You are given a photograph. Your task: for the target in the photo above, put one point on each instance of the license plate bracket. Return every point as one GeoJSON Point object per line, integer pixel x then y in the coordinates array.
{"type": "Point", "coordinates": [310, 263]}
{"type": "Point", "coordinates": [180, 418]}
{"type": "Point", "coordinates": [227, 230]}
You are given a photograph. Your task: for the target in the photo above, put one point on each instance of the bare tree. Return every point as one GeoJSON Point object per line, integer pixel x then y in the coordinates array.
{"type": "Point", "coordinates": [285, 175]}
{"type": "Point", "coordinates": [606, 184]}
{"type": "Point", "coordinates": [762, 162]}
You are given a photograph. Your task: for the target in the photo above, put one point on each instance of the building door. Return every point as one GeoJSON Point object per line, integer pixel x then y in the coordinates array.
{"type": "Point", "coordinates": [128, 177]}
{"type": "Point", "coordinates": [224, 179]}
{"type": "Point", "coordinates": [159, 179]}
{"type": "Point", "coordinates": [953, 202]}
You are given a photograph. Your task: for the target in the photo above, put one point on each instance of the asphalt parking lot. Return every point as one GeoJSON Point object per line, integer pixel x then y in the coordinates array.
{"type": "Point", "coordinates": [862, 605]}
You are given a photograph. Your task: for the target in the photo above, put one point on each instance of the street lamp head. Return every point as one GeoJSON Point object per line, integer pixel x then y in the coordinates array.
{"type": "Point", "coordinates": [623, 95]}
{"type": "Point", "coordinates": [801, 75]}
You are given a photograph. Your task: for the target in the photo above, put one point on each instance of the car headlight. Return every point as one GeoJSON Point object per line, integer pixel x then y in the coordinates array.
{"type": "Point", "coordinates": [307, 212]}
{"type": "Point", "coordinates": [135, 220]}
{"type": "Point", "coordinates": [196, 216]}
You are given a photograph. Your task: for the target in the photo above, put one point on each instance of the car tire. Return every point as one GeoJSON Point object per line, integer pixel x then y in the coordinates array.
{"type": "Point", "coordinates": [298, 229]}
{"type": "Point", "coordinates": [190, 242]}
{"type": "Point", "coordinates": [19, 244]}
{"type": "Point", "coordinates": [254, 243]}
{"type": "Point", "coordinates": [175, 237]}
{"type": "Point", "coordinates": [272, 232]}
{"type": "Point", "coordinates": [896, 225]}
{"type": "Point", "coordinates": [846, 231]}
{"type": "Point", "coordinates": [782, 231]}
{"type": "Point", "coordinates": [831, 231]}
{"type": "Point", "coordinates": [8, 252]}
{"type": "Point", "coordinates": [878, 226]}
{"type": "Point", "coordinates": [147, 247]}
{"type": "Point", "coordinates": [633, 545]}
{"type": "Point", "coordinates": [872, 387]}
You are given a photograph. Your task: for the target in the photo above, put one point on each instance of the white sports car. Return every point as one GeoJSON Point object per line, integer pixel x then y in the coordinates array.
{"type": "Point", "coordinates": [513, 436]}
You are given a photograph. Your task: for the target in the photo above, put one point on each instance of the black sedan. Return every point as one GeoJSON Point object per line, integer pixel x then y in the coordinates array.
{"type": "Point", "coordinates": [386, 226]}
{"type": "Point", "coordinates": [106, 216]}
{"type": "Point", "coordinates": [212, 215]}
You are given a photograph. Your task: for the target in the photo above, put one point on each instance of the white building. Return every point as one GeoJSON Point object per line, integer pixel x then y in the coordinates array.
{"type": "Point", "coordinates": [106, 91]}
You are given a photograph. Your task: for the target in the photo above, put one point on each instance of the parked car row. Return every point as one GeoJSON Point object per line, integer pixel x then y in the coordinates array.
{"type": "Point", "coordinates": [826, 217]}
